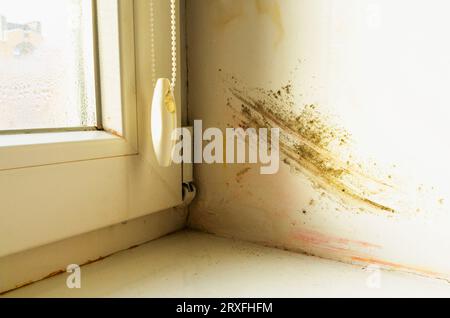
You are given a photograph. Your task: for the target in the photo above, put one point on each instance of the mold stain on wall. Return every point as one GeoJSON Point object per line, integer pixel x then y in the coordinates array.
{"type": "Point", "coordinates": [312, 145]}
{"type": "Point", "coordinates": [344, 198]}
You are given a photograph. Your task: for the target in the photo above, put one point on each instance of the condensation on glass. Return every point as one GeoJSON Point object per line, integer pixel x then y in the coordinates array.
{"type": "Point", "coordinates": [47, 75]}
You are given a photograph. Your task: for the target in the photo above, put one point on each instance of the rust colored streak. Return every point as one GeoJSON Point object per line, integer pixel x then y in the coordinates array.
{"type": "Point", "coordinates": [325, 241]}
{"type": "Point", "coordinates": [396, 266]}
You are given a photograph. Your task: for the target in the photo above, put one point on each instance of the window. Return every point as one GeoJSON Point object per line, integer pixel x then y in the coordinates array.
{"type": "Point", "coordinates": [74, 91]}
{"type": "Point", "coordinates": [47, 75]}
{"type": "Point", "coordinates": [64, 69]}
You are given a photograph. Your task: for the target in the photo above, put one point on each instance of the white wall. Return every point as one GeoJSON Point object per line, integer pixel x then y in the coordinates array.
{"type": "Point", "coordinates": [363, 107]}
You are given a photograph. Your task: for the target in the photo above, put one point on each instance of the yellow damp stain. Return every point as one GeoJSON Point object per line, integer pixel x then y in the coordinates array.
{"type": "Point", "coordinates": [271, 8]}
{"type": "Point", "coordinates": [228, 11]}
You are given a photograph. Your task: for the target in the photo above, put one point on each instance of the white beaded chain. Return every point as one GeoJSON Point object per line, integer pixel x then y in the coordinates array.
{"type": "Point", "coordinates": [152, 42]}
{"type": "Point", "coordinates": [173, 34]}
{"type": "Point", "coordinates": [173, 23]}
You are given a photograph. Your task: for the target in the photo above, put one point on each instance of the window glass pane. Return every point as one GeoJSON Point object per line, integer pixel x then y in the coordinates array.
{"type": "Point", "coordinates": [46, 64]}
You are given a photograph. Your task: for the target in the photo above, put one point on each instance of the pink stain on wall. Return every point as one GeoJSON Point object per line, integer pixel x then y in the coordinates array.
{"type": "Point", "coordinates": [317, 239]}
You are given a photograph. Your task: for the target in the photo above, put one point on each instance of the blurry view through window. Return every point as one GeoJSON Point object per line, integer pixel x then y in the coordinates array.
{"type": "Point", "coordinates": [46, 64]}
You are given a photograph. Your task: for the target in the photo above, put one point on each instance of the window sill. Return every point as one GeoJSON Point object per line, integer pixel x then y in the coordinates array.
{"type": "Point", "coordinates": [226, 265]}
{"type": "Point", "coordinates": [31, 150]}
{"type": "Point", "coordinates": [17, 140]}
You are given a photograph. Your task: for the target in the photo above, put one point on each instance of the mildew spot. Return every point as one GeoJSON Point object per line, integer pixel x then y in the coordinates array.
{"type": "Point", "coordinates": [310, 143]}
{"type": "Point", "coordinates": [241, 174]}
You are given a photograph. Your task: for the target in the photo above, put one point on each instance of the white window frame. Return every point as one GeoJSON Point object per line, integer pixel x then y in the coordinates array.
{"type": "Point", "coordinates": [55, 185]}
{"type": "Point", "coordinates": [116, 72]}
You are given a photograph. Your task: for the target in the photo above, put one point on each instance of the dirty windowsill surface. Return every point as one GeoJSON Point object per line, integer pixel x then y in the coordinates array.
{"type": "Point", "coordinates": [193, 264]}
